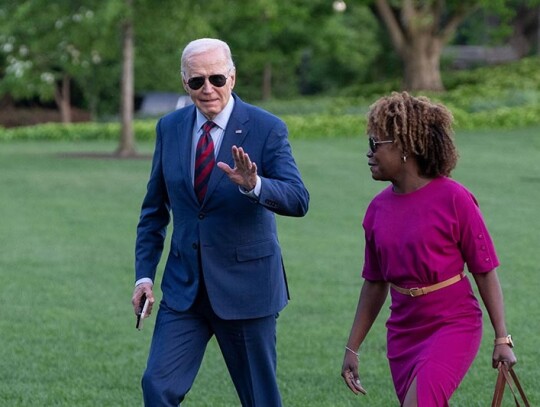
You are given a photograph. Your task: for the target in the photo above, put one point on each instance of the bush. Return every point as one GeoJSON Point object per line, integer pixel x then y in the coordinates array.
{"type": "Point", "coordinates": [325, 126]}
{"type": "Point", "coordinates": [505, 96]}
{"type": "Point", "coordinates": [300, 126]}
{"type": "Point", "coordinates": [500, 118]}
{"type": "Point", "coordinates": [144, 130]}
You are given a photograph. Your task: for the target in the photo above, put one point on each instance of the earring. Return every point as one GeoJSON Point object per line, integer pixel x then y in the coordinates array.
{"type": "Point", "coordinates": [404, 158]}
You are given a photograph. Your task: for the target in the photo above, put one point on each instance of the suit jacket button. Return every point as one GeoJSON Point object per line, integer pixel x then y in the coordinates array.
{"type": "Point", "coordinates": [201, 215]}
{"type": "Point", "coordinates": [195, 246]}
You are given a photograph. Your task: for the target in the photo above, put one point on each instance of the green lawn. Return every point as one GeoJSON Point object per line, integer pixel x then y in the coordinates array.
{"type": "Point", "coordinates": [66, 260]}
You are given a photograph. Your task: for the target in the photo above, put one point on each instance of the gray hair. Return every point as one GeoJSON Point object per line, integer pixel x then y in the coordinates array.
{"type": "Point", "coordinates": [203, 45]}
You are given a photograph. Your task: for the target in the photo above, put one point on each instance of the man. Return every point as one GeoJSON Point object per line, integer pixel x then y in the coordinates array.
{"type": "Point", "coordinates": [224, 275]}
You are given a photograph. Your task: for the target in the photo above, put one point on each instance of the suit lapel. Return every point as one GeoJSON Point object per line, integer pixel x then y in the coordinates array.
{"type": "Point", "coordinates": [185, 137]}
{"type": "Point", "coordinates": [234, 135]}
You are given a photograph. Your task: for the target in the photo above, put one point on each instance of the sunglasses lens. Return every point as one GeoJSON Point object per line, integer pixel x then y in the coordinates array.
{"type": "Point", "coordinates": [196, 83]}
{"type": "Point", "coordinates": [217, 80]}
{"type": "Point", "coordinates": [372, 145]}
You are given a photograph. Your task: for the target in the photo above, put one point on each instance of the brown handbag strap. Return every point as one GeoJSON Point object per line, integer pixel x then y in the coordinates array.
{"type": "Point", "coordinates": [508, 376]}
{"type": "Point", "coordinates": [499, 390]}
{"type": "Point", "coordinates": [512, 379]}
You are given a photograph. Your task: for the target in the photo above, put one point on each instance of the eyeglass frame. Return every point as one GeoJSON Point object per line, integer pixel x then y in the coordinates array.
{"type": "Point", "coordinates": [211, 79]}
{"type": "Point", "coordinates": [374, 143]}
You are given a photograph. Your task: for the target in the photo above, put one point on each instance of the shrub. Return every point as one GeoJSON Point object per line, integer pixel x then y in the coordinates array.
{"type": "Point", "coordinates": [144, 130]}
{"type": "Point", "coordinates": [505, 96]}
{"type": "Point", "coordinates": [325, 125]}
{"type": "Point", "coordinates": [300, 126]}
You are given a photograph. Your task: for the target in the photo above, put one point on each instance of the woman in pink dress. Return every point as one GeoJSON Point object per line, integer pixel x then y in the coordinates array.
{"type": "Point", "coordinates": [420, 232]}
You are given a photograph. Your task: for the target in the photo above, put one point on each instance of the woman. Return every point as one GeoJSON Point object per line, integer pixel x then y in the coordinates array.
{"type": "Point", "coordinates": [419, 233]}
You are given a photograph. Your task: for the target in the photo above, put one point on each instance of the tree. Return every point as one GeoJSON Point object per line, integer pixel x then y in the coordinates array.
{"type": "Point", "coordinates": [154, 34]}
{"type": "Point", "coordinates": [283, 47]}
{"type": "Point", "coordinates": [342, 50]}
{"type": "Point", "coordinates": [126, 147]}
{"type": "Point", "coordinates": [160, 35]}
{"type": "Point", "coordinates": [419, 30]}
{"type": "Point", "coordinates": [48, 44]}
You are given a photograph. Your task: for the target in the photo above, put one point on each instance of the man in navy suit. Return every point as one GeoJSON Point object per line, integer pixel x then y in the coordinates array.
{"type": "Point", "coordinates": [224, 274]}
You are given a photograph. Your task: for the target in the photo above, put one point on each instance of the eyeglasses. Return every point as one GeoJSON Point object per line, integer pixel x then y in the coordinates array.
{"type": "Point", "coordinates": [215, 80]}
{"type": "Point", "coordinates": [374, 143]}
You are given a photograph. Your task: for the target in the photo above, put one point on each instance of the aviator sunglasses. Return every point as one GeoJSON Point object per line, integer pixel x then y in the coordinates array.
{"type": "Point", "coordinates": [215, 80]}
{"type": "Point", "coordinates": [374, 143]}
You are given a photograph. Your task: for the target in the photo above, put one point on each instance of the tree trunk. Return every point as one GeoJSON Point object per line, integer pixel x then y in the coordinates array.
{"type": "Point", "coordinates": [62, 98]}
{"type": "Point", "coordinates": [421, 61]}
{"type": "Point", "coordinates": [418, 36]}
{"type": "Point", "coordinates": [526, 26]}
{"type": "Point", "coordinates": [127, 138]}
{"type": "Point", "coordinates": [538, 34]}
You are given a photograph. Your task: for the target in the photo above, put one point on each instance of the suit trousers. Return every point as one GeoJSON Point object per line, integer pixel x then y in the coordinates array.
{"type": "Point", "coordinates": [178, 345]}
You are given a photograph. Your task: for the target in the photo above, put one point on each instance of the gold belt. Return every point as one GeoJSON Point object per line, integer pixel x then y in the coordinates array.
{"type": "Point", "coordinates": [418, 291]}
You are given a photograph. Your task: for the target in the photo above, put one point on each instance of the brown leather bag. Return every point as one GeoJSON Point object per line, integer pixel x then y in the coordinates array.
{"type": "Point", "coordinates": [508, 376]}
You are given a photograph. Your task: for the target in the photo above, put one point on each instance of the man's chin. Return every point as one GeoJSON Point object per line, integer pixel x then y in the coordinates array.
{"type": "Point", "coordinates": [208, 110]}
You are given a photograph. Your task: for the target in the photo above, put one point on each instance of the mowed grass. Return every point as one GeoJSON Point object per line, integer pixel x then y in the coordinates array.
{"type": "Point", "coordinates": [67, 234]}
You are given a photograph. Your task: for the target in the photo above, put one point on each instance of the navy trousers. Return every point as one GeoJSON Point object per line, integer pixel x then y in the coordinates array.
{"type": "Point", "coordinates": [178, 345]}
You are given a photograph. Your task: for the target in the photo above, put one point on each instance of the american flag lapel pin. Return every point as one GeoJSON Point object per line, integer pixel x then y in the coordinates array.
{"type": "Point", "coordinates": [238, 131]}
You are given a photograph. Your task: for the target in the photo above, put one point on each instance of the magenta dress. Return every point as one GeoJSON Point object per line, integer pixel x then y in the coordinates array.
{"type": "Point", "coordinates": [419, 239]}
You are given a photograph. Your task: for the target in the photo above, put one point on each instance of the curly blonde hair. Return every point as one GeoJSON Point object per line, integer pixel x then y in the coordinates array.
{"type": "Point", "coordinates": [421, 129]}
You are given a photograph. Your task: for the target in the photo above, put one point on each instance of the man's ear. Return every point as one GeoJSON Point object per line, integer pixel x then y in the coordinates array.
{"type": "Point", "coordinates": [185, 85]}
{"type": "Point", "coordinates": [233, 80]}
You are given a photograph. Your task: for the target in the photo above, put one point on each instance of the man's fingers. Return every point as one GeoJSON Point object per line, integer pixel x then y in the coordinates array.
{"type": "Point", "coordinates": [241, 158]}
{"type": "Point", "coordinates": [225, 167]}
{"type": "Point", "coordinates": [138, 293]}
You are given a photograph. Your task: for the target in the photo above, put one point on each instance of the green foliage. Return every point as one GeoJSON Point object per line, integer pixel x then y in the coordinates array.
{"type": "Point", "coordinates": [506, 96]}
{"type": "Point", "coordinates": [161, 32]}
{"type": "Point", "coordinates": [300, 126]}
{"type": "Point", "coordinates": [300, 46]}
{"type": "Point", "coordinates": [509, 84]}
{"type": "Point", "coordinates": [43, 41]}
{"type": "Point", "coordinates": [499, 118]}
{"type": "Point", "coordinates": [342, 51]}
{"type": "Point", "coordinates": [310, 126]}
{"type": "Point", "coordinates": [294, 46]}
{"type": "Point", "coordinates": [144, 130]}
{"type": "Point", "coordinates": [503, 96]}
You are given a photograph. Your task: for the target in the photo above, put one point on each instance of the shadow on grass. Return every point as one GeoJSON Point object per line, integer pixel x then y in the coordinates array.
{"type": "Point", "coordinates": [106, 156]}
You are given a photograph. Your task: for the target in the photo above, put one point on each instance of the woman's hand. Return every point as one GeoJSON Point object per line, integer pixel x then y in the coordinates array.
{"type": "Point", "coordinates": [503, 354]}
{"type": "Point", "coordinates": [349, 372]}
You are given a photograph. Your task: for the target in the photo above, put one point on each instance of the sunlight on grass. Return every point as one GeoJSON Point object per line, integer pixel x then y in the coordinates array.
{"type": "Point", "coordinates": [66, 257]}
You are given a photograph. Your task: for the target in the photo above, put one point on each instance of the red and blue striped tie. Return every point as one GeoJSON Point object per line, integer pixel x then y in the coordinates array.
{"type": "Point", "coordinates": [204, 161]}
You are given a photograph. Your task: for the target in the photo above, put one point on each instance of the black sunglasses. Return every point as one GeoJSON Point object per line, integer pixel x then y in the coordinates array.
{"type": "Point", "coordinates": [216, 80]}
{"type": "Point", "coordinates": [374, 143]}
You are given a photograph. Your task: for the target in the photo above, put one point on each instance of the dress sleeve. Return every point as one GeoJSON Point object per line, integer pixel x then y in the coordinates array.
{"type": "Point", "coordinates": [476, 245]}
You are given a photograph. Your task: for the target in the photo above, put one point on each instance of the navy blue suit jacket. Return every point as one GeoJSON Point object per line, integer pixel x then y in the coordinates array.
{"type": "Point", "coordinates": [236, 235]}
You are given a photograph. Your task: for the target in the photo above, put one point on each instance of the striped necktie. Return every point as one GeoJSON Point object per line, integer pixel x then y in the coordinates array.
{"type": "Point", "coordinates": [204, 161]}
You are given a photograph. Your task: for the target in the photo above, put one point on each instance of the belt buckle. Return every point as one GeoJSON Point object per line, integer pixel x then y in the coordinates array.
{"type": "Point", "coordinates": [416, 292]}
